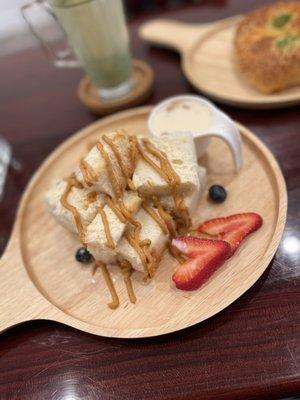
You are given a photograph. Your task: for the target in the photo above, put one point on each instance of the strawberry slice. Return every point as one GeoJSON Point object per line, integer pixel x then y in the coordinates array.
{"type": "Point", "coordinates": [205, 257]}
{"type": "Point", "coordinates": [232, 229]}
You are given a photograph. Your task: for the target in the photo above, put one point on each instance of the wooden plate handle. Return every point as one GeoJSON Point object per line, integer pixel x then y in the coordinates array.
{"type": "Point", "coordinates": [20, 300]}
{"type": "Point", "coordinates": [177, 35]}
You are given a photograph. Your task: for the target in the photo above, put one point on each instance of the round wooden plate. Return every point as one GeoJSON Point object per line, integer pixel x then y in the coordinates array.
{"type": "Point", "coordinates": [208, 61]}
{"type": "Point", "coordinates": [41, 279]}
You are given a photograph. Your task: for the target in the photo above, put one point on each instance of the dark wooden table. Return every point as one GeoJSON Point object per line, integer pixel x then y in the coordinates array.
{"type": "Point", "coordinates": [249, 351]}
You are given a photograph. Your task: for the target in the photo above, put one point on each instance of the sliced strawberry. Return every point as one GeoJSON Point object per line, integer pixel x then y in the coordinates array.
{"type": "Point", "coordinates": [189, 245]}
{"type": "Point", "coordinates": [206, 256]}
{"type": "Point", "coordinates": [232, 229]}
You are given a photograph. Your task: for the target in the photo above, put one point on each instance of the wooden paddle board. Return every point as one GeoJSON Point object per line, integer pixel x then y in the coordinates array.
{"type": "Point", "coordinates": [208, 61]}
{"type": "Point", "coordinates": [40, 278]}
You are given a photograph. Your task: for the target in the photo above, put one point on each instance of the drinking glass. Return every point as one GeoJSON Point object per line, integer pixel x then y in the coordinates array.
{"type": "Point", "coordinates": [96, 30]}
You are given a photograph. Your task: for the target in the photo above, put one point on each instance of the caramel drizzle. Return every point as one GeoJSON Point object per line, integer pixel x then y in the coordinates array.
{"type": "Point", "coordinates": [133, 240]}
{"type": "Point", "coordinates": [165, 165]}
{"type": "Point", "coordinates": [141, 247]}
{"type": "Point", "coordinates": [156, 217]}
{"type": "Point", "coordinates": [166, 171]}
{"type": "Point", "coordinates": [117, 154]}
{"type": "Point", "coordinates": [109, 283]}
{"type": "Point", "coordinates": [110, 242]}
{"type": "Point", "coordinates": [130, 150]}
{"type": "Point", "coordinates": [89, 175]}
{"type": "Point", "coordinates": [165, 216]}
{"type": "Point", "coordinates": [123, 167]}
{"type": "Point", "coordinates": [137, 225]}
{"type": "Point", "coordinates": [72, 182]}
{"type": "Point", "coordinates": [126, 269]}
{"type": "Point", "coordinates": [162, 218]}
{"type": "Point", "coordinates": [165, 221]}
{"type": "Point", "coordinates": [133, 152]}
{"type": "Point", "coordinates": [172, 178]}
{"type": "Point", "coordinates": [114, 207]}
{"type": "Point", "coordinates": [122, 212]}
{"type": "Point", "coordinates": [130, 185]}
{"type": "Point", "coordinates": [170, 224]}
{"type": "Point", "coordinates": [117, 187]}
{"type": "Point", "coordinates": [92, 197]}
{"type": "Point", "coordinates": [118, 207]}
{"type": "Point", "coordinates": [145, 245]}
{"type": "Point", "coordinates": [152, 163]}
{"type": "Point", "coordinates": [168, 220]}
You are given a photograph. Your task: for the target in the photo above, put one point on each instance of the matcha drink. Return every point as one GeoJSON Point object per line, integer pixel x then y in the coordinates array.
{"type": "Point", "coordinates": [97, 32]}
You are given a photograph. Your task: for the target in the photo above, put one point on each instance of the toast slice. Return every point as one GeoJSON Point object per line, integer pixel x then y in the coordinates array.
{"type": "Point", "coordinates": [95, 236]}
{"type": "Point", "coordinates": [180, 149]}
{"type": "Point", "coordinates": [151, 230]}
{"type": "Point", "coordinates": [85, 201]}
{"type": "Point", "coordinates": [109, 233]}
{"type": "Point", "coordinates": [191, 200]}
{"type": "Point", "coordinates": [94, 172]}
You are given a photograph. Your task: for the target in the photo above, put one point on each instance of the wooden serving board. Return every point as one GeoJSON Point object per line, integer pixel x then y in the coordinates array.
{"type": "Point", "coordinates": [208, 61]}
{"type": "Point", "coordinates": [41, 279]}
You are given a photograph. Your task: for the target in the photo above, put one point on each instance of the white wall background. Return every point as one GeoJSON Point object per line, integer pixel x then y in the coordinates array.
{"type": "Point", "coordinates": [14, 33]}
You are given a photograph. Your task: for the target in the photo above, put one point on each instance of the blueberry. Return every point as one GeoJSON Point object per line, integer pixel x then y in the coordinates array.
{"type": "Point", "coordinates": [83, 255]}
{"type": "Point", "coordinates": [217, 193]}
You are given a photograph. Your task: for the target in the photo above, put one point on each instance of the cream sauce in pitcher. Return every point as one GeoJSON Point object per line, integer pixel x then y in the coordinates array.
{"type": "Point", "coordinates": [200, 117]}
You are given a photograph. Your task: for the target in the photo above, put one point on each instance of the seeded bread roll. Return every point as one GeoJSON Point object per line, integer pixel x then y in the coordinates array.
{"type": "Point", "coordinates": [267, 45]}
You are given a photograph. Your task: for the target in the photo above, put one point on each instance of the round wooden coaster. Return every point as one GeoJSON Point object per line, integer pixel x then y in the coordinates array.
{"type": "Point", "coordinates": [143, 79]}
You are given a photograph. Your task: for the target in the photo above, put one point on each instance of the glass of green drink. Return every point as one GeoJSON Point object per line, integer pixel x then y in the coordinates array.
{"type": "Point", "coordinates": [96, 31]}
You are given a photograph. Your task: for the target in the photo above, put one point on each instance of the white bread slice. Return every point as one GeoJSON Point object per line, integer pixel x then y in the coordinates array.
{"type": "Point", "coordinates": [95, 237]}
{"type": "Point", "coordinates": [150, 230]}
{"type": "Point", "coordinates": [191, 200]}
{"type": "Point", "coordinates": [78, 198]}
{"type": "Point", "coordinates": [180, 150]}
{"type": "Point", "coordinates": [97, 163]}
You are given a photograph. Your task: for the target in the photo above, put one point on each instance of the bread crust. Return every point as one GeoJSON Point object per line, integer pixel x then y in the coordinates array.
{"type": "Point", "coordinates": [267, 44]}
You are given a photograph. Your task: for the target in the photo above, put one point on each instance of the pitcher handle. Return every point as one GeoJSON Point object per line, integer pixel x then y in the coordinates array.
{"type": "Point", "coordinates": [59, 59]}
{"type": "Point", "coordinates": [229, 133]}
